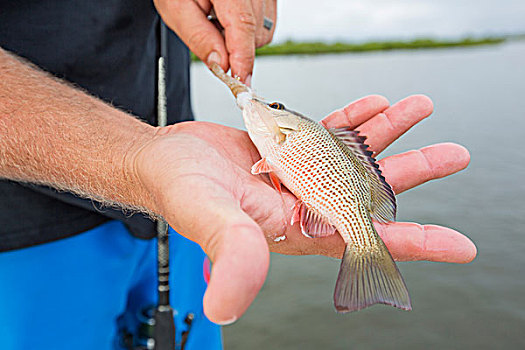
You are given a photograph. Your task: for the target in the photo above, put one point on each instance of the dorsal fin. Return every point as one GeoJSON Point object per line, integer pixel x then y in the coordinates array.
{"type": "Point", "coordinates": [383, 198]}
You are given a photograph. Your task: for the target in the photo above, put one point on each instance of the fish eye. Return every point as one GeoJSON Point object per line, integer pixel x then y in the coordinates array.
{"type": "Point", "coordinates": [276, 105]}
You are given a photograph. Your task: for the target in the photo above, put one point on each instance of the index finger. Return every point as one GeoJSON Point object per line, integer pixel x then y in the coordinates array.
{"type": "Point", "coordinates": [239, 24]}
{"type": "Point", "coordinates": [188, 19]}
{"type": "Point", "coordinates": [384, 128]}
{"type": "Point", "coordinates": [356, 112]}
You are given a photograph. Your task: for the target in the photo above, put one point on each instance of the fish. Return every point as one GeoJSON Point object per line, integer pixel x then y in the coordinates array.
{"type": "Point", "coordinates": [339, 189]}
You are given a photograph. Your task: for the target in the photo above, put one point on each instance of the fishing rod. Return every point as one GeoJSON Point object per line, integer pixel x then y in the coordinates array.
{"type": "Point", "coordinates": [164, 329]}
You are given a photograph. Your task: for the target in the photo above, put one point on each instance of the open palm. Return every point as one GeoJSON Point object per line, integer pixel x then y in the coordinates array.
{"type": "Point", "coordinates": [200, 180]}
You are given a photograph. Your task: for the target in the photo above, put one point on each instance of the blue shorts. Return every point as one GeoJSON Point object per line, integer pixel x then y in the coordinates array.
{"type": "Point", "coordinates": [83, 292]}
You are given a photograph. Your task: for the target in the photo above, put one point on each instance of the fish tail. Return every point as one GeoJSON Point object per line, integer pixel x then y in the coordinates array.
{"type": "Point", "coordinates": [368, 279]}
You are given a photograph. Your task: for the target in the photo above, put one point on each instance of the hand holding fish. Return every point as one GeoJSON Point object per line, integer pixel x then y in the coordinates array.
{"type": "Point", "coordinates": [245, 25]}
{"type": "Point", "coordinates": [206, 192]}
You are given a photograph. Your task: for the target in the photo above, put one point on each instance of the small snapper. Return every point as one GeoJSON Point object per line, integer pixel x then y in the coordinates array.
{"type": "Point", "coordinates": [339, 189]}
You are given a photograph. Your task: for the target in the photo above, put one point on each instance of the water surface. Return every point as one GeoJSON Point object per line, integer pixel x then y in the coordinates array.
{"type": "Point", "coordinates": [479, 98]}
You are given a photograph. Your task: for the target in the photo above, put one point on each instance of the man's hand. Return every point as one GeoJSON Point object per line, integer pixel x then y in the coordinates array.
{"type": "Point", "coordinates": [197, 175]}
{"type": "Point", "coordinates": [243, 30]}
{"type": "Point", "coordinates": [200, 180]}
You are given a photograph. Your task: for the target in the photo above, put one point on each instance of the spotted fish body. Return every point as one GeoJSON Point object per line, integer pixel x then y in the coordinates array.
{"type": "Point", "coordinates": [339, 189]}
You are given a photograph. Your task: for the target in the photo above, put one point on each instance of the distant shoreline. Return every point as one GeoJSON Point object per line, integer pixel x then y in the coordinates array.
{"type": "Point", "coordinates": [316, 48]}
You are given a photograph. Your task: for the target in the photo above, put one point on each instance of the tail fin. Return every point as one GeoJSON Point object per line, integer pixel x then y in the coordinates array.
{"type": "Point", "coordinates": [368, 279]}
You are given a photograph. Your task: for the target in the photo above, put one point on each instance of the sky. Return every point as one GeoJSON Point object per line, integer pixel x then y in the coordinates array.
{"type": "Point", "coordinates": [356, 20]}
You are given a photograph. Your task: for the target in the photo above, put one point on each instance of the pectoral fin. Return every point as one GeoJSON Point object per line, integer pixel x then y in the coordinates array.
{"type": "Point", "coordinates": [312, 224]}
{"type": "Point", "coordinates": [383, 199]}
{"type": "Point", "coordinates": [262, 167]}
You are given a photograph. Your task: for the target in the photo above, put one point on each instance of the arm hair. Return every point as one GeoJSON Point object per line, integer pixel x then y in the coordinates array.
{"type": "Point", "coordinates": [54, 134]}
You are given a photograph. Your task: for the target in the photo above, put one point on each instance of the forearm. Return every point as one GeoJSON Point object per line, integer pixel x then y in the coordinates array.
{"type": "Point", "coordinates": [54, 134]}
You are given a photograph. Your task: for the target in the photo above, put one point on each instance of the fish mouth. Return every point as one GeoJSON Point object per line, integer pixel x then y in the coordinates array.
{"type": "Point", "coordinates": [244, 98]}
{"type": "Point", "coordinates": [255, 112]}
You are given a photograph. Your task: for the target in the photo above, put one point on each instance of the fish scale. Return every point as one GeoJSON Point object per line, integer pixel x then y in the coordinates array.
{"type": "Point", "coordinates": [316, 170]}
{"type": "Point", "coordinates": [339, 188]}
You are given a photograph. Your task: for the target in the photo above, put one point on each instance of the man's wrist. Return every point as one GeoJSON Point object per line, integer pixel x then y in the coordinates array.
{"type": "Point", "coordinates": [141, 194]}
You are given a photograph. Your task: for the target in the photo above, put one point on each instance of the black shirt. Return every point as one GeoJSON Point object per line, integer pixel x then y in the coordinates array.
{"type": "Point", "coordinates": [107, 47]}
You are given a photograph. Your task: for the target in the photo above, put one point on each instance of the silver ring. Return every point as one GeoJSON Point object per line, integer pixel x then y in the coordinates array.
{"type": "Point", "coordinates": [267, 23]}
{"type": "Point", "coordinates": [212, 17]}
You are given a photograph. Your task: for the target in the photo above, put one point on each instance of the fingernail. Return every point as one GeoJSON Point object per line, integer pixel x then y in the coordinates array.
{"type": "Point", "coordinates": [227, 322]}
{"type": "Point", "coordinates": [249, 80]}
{"type": "Point", "coordinates": [214, 57]}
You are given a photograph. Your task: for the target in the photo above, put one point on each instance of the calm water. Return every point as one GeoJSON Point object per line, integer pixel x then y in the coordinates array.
{"type": "Point", "coordinates": [479, 96]}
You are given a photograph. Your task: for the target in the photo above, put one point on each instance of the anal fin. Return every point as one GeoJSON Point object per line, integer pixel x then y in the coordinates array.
{"type": "Point", "coordinates": [312, 224]}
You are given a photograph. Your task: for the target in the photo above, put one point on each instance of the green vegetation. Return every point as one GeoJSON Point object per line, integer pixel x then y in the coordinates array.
{"type": "Point", "coordinates": [294, 48]}
{"type": "Point", "coordinates": [315, 48]}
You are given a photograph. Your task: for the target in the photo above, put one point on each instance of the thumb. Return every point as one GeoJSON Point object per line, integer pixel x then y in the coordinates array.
{"type": "Point", "coordinates": [240, 257]}
{"type": "Point", "coordinates": [188, 20]}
